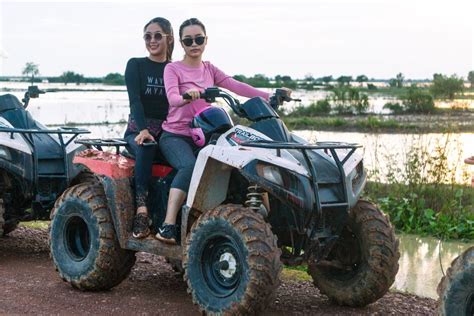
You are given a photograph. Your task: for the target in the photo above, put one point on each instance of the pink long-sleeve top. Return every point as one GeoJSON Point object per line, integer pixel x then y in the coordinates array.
{"type": "Point", "coordinates": [180, 77]}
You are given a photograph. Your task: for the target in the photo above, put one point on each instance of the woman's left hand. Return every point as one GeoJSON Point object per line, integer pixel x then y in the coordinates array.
{"type": "Point", "coordinates": [288, 90]}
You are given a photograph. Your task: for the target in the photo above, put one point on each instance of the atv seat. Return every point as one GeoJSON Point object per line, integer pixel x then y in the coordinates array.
{"type": "Point", "coordinates": [114, 165]}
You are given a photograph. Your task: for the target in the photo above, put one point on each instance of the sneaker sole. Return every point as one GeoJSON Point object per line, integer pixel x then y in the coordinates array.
{"type": "Point", "coordinates": [141, 235]}
{"type": "Point", "coordinates": [165, 240]}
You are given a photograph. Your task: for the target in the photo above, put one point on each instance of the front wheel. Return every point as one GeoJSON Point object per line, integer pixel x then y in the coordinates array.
{"type": "Point", "coordinates": [231, 261]}
{"type": "Point", "coordinates": [84, 247]}
{"type": "Point", "coordinates": [363, 263]}
{"type": "Point", "coordinates": [456, 288]}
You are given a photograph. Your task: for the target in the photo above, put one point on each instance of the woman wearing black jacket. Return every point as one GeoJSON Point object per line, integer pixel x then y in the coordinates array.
{"type": "Point", "coordinates": [148, 109]}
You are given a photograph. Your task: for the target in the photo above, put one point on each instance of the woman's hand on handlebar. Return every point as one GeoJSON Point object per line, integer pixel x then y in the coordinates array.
{"type": "Point", "coordinates": [288, 90]}
{"type": "Point", "coordinates": [193, 94]}
{"type": "Point", "coordinates": [143, 136]}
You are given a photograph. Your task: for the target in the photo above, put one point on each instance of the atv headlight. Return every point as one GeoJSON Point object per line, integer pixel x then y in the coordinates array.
{"type": "Point", "coordinates": [5, 153]}
{"type": "Point", "coordinates": [271, 173]}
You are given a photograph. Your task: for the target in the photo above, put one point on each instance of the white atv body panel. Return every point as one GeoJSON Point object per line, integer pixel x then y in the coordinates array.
{"type": "Point", "coordinates": [214, 164]}
{"type": "Point", "coordinates": [16, 142]}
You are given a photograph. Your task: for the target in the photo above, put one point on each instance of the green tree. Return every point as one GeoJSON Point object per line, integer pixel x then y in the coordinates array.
{"type": "Point", "coordinates": [114, 79]}
{"type": "Point", "coordinates": [327, 79]}
{"type": "Point", "coordinates": [361, 79]}
{"type": "Point", "coordinates": [31, 68]}
{"type": "Point", "coordinates": [470, 78]}
{"type": "Point", "coordinates": [344, 80]}
{"type": "Point", "coordinates": [418, 101]}
{"type": "Point", "coordinates": [78, 78]}
{"type": "Point", "coordinates": [400, 78]}
{"type": "Point", "coordinates": [392, 83]}
{"type": "Point", "coordinates": [68, 76]}
{"type": "Point", "coordinates": [446, 87]}
{"type": "Point", "coordinates": [240, 78]}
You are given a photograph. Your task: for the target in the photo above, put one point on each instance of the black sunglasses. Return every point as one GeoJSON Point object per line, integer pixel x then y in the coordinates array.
{"type": "Point", "coordinates": [188, 41]}
{"type": "Point", "coordinates": [157, 36]}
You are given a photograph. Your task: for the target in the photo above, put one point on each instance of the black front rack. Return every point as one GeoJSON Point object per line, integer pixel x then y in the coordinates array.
{"type": "Point", "coordinates": [28, 136]}
{"type": "Point", "coordinates": [327, 147]}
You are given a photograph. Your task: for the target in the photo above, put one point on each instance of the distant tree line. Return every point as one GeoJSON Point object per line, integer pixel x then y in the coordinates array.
{"type": "Point", "coordinates": [442, 85]}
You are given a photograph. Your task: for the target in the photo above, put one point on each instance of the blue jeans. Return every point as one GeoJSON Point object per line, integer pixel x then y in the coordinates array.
{"type": "Point", "coordinates": [179, 152]}
{"type": "Point", "coordinates": [144, 156]}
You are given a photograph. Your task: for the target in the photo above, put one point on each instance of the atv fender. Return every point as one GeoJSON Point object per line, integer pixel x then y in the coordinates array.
{"type": "Point", "coordinates": [214, 164]}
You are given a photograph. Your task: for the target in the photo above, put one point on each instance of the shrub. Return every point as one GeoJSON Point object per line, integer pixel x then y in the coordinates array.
{"type": "Point", "coordinates": [418, 101]}
{"type": "Point", "coordinates": [394, 107]}
{"type": "Point", "coordinates": [321, 107]}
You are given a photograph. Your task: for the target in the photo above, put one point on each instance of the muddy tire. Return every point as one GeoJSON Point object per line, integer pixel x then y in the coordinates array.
{"type": "Point", "coordinates": [2, 218]}
{"type": "Point", "coordinates": [83, 243]}
{"type": "Point", "coordinates": [456, 288]}
{"type": "Point", "coordinates": [231, 261]}
{"type": "Point", "coordinates": [364, 261]}
{"type": "Point", "coordinates": [10, 226]}
{"type": "Point", "coordinates": [83, 177]}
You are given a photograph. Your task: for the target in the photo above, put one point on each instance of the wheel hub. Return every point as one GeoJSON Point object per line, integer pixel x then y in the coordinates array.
{"type": "Point", "coordinates": [228, 265]}
{"type": "Point", "coordinates": [221, 265]}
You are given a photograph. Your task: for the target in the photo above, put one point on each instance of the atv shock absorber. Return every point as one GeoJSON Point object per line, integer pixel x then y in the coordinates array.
{"type": "Point", "coordinates": [257, 200]}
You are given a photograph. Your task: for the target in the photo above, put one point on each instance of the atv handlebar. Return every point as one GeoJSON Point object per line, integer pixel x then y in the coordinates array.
{"type": "Point", "coordinates": [280, 96]}
{"type": "Point", "coordinates": [210, 95]}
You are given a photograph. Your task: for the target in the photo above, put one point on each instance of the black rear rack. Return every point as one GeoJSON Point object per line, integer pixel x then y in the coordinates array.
{"type": "Point", "coordinates": [98, 143]}
{"type": "Point", "coordinates": [60, 131]}
{"type": "Point", "coordinates": [327, 147]}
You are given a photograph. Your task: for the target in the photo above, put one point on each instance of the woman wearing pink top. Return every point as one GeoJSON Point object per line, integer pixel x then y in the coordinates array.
{"type": "Point", "coordinates": [190, 75]}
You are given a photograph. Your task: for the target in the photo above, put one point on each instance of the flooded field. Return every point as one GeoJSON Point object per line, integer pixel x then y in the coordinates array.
{"type": "Point", "coordinates": [423, 261]}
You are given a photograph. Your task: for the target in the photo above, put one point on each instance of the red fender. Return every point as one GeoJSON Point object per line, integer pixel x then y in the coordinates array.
{"type": "Point", "coordinates": [112, 165]}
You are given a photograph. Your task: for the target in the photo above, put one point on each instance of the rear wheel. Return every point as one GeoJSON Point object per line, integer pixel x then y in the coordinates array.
{"type": "Point", "coordinates": [456, 288]}
{"type": "Point", "coordinates": [83, 243]}
{"type": "Point", "coordinates": [9, 226]}
{"type": "Point", "coordinates": [363, 263]}
{"type": "Point", "coordinates": [231, 261]}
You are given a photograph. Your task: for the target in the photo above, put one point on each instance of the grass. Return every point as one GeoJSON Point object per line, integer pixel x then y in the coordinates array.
{"type": "Point", "coordinates": [298, 273]}
{"type": "Point", "coordinates": [35, 224]}
{"type": "Point", "coordinates": [428, 194]}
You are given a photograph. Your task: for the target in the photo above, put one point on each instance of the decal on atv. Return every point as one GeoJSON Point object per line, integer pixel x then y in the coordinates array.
{"type": "Point", "coordinates": [240, 136]}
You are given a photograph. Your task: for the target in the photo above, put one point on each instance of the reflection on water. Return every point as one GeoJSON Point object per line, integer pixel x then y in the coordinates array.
{"type": "Point", "coordinates": [380, 150]}
{"type": "Point", "coordinates": [420, 268]}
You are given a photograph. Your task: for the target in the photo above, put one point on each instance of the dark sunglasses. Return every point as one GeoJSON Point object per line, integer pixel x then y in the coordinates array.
{"type": "Point", "coordinates": [157, 36]}
{"type": "Point", "coordinates": [188, 41]}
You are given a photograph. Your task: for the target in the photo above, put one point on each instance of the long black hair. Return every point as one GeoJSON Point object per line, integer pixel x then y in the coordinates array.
{"type": "Point", "coordinates": [189, 22]}
{"type": "Point", "coordinates": [168, 30]}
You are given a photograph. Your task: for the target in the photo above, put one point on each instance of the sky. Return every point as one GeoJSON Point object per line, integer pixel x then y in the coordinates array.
{"type": "Point", "coordinates": [378, 38]}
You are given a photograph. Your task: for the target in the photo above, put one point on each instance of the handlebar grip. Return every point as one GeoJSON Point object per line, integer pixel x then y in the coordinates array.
{"type": "Point", "coordinates": [202, 95]}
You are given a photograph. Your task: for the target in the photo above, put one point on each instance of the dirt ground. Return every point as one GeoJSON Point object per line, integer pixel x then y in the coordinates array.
{"type": "Point", "coordinates": [30, 285]}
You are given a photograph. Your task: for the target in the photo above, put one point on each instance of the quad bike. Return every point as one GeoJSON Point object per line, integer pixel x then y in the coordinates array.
{"type": "Point", "coordinates": [456, 288]}
{"type": "Point", "coordinates": [35, 163]}
{"type": "Point", "coordinates": [259, 196]}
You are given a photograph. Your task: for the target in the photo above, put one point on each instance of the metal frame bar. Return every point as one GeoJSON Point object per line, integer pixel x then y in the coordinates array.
{"type": "Point", "coordinates": [325, 146]}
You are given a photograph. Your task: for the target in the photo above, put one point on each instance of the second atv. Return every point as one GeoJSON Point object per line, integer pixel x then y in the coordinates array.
{"type": "Point", "coordinates": [35, 163]}
{"type": "Point", "coordinates": [259, 196]}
